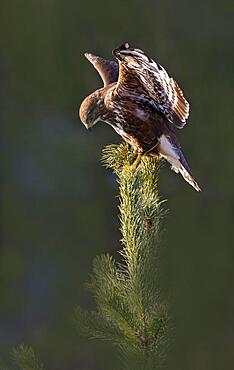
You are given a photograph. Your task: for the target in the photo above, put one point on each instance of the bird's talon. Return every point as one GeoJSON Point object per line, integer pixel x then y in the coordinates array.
{"type": "Point", "coordinates": [136, 162]}
{"type": "Point", "coordinates": [127, 167]}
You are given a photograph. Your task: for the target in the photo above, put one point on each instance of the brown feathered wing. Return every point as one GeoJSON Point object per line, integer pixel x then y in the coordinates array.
{"type": "Point", "coordinates": [161, 90]}
{"type": "Point", "coordinates": [107, 69]}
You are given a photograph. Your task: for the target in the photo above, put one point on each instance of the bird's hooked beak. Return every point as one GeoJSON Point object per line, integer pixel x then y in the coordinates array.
{"type": "Point", "coordinates": [89, 126]}
{"type": "Point", "coordinates": [83, 114]}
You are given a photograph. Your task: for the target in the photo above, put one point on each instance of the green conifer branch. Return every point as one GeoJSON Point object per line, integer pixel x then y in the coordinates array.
{"type": "Point", "coordinates": [25, 358]}
{"type": "Point", "coordinates": [130, 311]}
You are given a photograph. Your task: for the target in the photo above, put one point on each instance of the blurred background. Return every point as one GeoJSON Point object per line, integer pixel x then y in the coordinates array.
{"type": "Point", "coordinates": [58, 204]}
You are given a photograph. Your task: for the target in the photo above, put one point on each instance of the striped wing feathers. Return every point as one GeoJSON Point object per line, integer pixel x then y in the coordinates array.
{"type": "Point", "coordinates": [162, 90]}
{"type": "Point", "coordinates": [165, 92]}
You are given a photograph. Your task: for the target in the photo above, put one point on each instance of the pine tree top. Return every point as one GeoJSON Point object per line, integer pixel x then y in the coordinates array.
{"type": "Point", "coordinates": [130, 312]}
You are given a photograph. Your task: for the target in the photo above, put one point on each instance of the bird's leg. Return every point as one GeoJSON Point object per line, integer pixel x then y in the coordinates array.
{"type": "Point", "coordinates": [137, 161]}
{"type": "Point", "coordinates": [151, 149]}
{"type": "Point", "coordinates": [140, 153]}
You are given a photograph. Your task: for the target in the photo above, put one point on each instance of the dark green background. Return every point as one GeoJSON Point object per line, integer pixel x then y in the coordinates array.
{"type": "Point", "coordinates": [58, 204]}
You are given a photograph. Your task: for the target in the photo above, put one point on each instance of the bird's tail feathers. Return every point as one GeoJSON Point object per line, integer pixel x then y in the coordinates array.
{"type": "Point", "coordinates": [175, 157]}
{"type": "Point", "coordinates": [181, 166]}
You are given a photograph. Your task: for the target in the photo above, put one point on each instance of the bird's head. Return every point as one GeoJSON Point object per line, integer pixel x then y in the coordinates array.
{"type": "Point", "coordinates": [130, 56]}
{"type": "Point", "coordinates": [91, 109]}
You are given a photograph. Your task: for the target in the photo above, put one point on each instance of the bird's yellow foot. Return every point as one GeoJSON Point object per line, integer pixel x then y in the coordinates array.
{"type": "Point", "coordinates": [137, 162]}
{"type": "Point", "coordinates": [127, 167]}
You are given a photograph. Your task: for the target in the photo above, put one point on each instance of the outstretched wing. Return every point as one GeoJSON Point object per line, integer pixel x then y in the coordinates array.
{"type": "Point", "coordinates": [161, 90]}
{"type": "Point", "coordinates": [107, 69]}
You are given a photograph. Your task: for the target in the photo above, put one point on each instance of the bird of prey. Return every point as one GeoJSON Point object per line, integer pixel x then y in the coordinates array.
{"type": "Point", "coordinates": [142, 103]}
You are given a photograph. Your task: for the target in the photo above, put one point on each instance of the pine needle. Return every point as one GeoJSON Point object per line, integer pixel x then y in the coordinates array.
{"type": "Point", "coordinates": [25, 358]}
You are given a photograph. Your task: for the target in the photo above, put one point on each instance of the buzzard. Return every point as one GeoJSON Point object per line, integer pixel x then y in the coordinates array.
{"type": "Point", "coordinates": [142, 103]}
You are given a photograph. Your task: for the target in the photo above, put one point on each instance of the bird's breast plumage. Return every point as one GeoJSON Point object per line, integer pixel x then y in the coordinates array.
{"type": "Point", "coordinates": [134, 121]}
